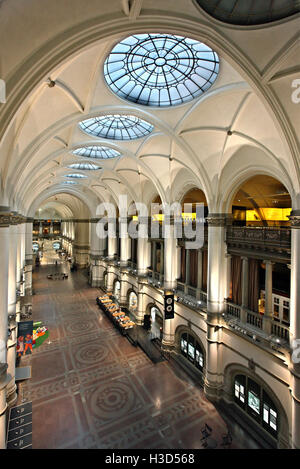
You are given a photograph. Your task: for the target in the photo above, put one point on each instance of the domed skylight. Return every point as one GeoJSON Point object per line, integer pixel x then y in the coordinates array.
{"type": "Point", "coordinates": [246, 13]}
{"type": "Point", "coordinates": [84, 166]}
{"type": "Point", "coordinates": [160, 69]}
{"type": "Point", "coordinates": [116, 127]}
{"type": "Point", "coordinates": [95, 151]}
{"type": "Point", "coordinates": [75, 176]}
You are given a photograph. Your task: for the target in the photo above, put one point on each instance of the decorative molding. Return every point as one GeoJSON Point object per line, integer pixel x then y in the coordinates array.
{"type": "Point", "coordinates": [219, 219]}
{"type": "Point", "coordinates": [295, 221]}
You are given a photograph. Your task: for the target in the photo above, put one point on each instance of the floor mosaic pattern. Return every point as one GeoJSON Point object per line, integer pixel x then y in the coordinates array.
{"type": "Point", "coordinates": [91, 388]}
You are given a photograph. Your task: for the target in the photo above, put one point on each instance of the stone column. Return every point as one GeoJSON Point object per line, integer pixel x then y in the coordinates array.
{"type": "Point", "coordinates": [51, 227]}
{"type": "Point", "coordinates": [96, 255]}
{"type": "Point", "coordinates": [153, 259]}
{"type": "Point", "coordinates": [4, 260]}
{"type": "Point", "coordinates": [228, 275]}
{"type": "Point", "coordinates": [4, 379]}
{"type": "Point", "coordinates": [142, 247]}
{"type": "Point", "coordinates": [28, 257]}
{"type": "Point", "coordinates": [170, 283]}
{"type": "Point", "coordinates": [41, 228]}
{"type": "Point", "coordinates": [82, 243]}
{"type": "Point", "coordinates": [111, 254]}
{"type": "Point", "coordinates": [162, 261]}
{"type": "Point", "coordinates": [11, 394]}
{"type": "Point", "coordinates": [125, 242]}
{"type": "Point", "coordinates": [295, 327]}
{"type": "Point", "coordinates": [12, 271]}
{"type": "Point", "coordinates": [199, 273]}
{"type": "Point", "coordinates": [216, 288]}
{"type": "Point", "coordinates": [268, 297]}
{"type": "Point", "coordinates": [245, 288]}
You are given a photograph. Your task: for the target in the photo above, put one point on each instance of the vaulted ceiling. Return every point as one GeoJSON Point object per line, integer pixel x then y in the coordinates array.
{"type": "Point", "coordinates": [244, 124]}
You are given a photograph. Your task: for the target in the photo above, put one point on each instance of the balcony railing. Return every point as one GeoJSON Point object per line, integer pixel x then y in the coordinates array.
{"type": "Point", "coordinates": [259, 238]}
{"type": "Point", "coordinates": [257, 322]}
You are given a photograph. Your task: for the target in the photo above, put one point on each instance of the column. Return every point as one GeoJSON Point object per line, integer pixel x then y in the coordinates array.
{"type": "Point", "coordinates": [51, 227]}
{"type": "Point", "coordinates": [28, 257]}
{"type": "Point", "coordinates": [216, 287]}
{"type": "Point", "coordinates": [187, 269]}
{"type": "Point", "coordinates": [228, 275]}
{"type": "Point", "coordinates": [4, 379]}
{"type": "Point", "coordinates": [245, 288]}
{"type": "Point", "coordinates": [111, 253]}
{"type": "Point", "coordinates": [153, 259]}
{"type": "Point", "coordinates": [170, 283]}
{"type": "Point", "coordinates": [96, 255]}
{"type": "Point", "coordinates": [11, 394]}
{"type": "Point", "coordinates": [295, 327]}
{"type": "Point", "coordinates": [125, 242]}
{"type": "Point", "coordinates": [268, 297]}
{"type": "Point", "coordinates": [199, 272]}
{"type": "Point", "coordinates": [162, 262]}
{"type": "Point", "coordinates": [41, 228]}
{"type": "Point", "coordinates": [82, 243]}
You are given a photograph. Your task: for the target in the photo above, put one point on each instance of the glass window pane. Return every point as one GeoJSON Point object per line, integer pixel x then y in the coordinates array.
{"type": "Point", "coordinates": [157, 62]}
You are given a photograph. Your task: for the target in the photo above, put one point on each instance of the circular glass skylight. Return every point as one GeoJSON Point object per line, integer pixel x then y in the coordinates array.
{"type": "Point", "coordinates": [160, 69]}
{"type": "Point", "coordinates": [84, 166]}
{"type": "Point", "coordinates": [95, 151]}
{"type": "Point", "coordinates": [116, 127]}
{"type": "Point", "coordinates": [244, 13]}
{"type": "Point", "coordinates": [75, 176]}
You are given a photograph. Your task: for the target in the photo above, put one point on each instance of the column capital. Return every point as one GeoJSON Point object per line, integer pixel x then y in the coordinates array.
{"type": "Point", "coordinates": [5, 219]}
{"type": "Point", "coordinates": [295, 219]}
{"type": "Point", "coordinates": [219, 219]}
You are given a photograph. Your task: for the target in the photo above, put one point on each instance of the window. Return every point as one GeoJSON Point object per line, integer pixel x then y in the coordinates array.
{"type": "Point", "coordinates": [192, 350]}
{"type": "Point", "coordinates": [75, 176]}
{"type": "Point", "coordinates": [132, 301]}
{"type": "Point", "coordinates": [84, 166]}
{"type": "Point", "coordinates": [99, 152]}
{"type": "Point", "coordinates": [117, 289]}
{"type": "Point", "coordinates": [256, 402]}
{"type": "Point", "coordinates": [116, 127]}
{"type": "Point", "coordinates": [160, 69]}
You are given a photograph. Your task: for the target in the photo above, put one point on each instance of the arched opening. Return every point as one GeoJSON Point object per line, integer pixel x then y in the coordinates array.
{"type": "Point", "coordinates": [132, 301]}
{"type": "Point", "coordinates": [256, 402]}
{"type": "Point", "coordinates": [117, 288]}
{"type": "Point", "coordinates": [153, 321]}
{"type": "Point", "coordinates": [193, 265]}
{"type": "Point", "coordinates": [258, 244]}
{"type": "Point", "coordinates": [191, 349]}
{"type": "Point", "coordinates": [261, 201]}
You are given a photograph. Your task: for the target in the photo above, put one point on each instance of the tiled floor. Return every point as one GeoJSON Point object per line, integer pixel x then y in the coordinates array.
{"type": "Point", "coordinates": [91, 388]}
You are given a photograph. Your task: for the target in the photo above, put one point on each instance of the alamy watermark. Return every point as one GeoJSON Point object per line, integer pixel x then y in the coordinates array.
{"type": "Point", "coordinates": [164, 220]}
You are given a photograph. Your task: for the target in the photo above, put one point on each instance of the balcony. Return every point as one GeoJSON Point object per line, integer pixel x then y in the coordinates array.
{"type": "Point", "coordinates": [257, 326]}
{"type": "Point", "coordinates": [260, 241]}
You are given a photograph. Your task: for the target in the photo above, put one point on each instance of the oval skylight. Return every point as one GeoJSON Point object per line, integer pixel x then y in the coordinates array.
{"type": "Point", "coordinates": [95, 151]}
{"type": "Point", "coordinates": [160, 69]}
{"type": "Point", "coordinates": [75, 176]}
{"type": "Point", "coordinates": [84, 166]}
{"type": "Point", "coordinates": [69, 182]}
{"type": "Point", "coordinates": [116, 127]}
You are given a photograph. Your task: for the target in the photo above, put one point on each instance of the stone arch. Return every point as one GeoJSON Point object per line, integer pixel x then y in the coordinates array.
{"type": "Point", "coordinates": [188, 330]}
{"type": "Point", "coordinates": [234, 369]}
